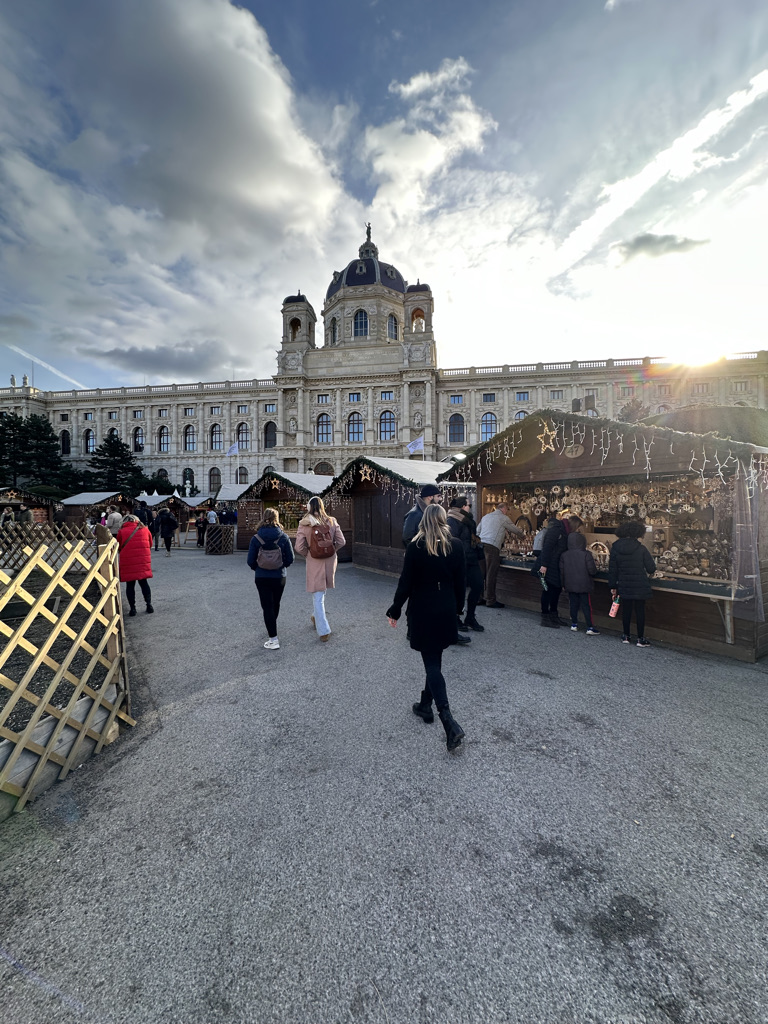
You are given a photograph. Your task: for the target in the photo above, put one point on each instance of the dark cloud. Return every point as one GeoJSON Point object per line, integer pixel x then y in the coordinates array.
{"type": "Point", "coordinates": [205, 360]}
{"type": "Point", "coordinates": [657, 245]}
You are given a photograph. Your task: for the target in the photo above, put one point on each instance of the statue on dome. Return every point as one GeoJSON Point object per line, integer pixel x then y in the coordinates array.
{"type": "Point", "coordinates": [368, 231]}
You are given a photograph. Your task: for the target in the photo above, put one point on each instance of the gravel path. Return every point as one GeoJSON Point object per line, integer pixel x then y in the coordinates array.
{"type": "Point", "coordinates": [281, 840]}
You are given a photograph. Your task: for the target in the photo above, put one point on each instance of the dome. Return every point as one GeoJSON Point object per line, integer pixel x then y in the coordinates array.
{"type": "Point", "coordinates": [294, 298]}
{"type": "Point", "coordinates": [418, 287]}
{"type": "Point", "coordinates": [367, 269]}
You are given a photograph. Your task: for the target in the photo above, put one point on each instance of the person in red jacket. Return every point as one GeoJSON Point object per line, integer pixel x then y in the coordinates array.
{"type": "Point", "coordinates": [135, 543]}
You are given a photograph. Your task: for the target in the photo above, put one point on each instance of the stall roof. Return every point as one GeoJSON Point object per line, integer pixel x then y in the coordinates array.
{"type": "Point", "coordinates": [195, 502]}
{"type": "Point", "coordinates": [231, 492]}
{"type": "Point", "coordinates": [91, 497]}
{"type": "Point", "coordinates": [308, 483]}
{"type": "Point", "coordinates": [413, 473]}
{"type": "Point", "coordinates": [8, 494]}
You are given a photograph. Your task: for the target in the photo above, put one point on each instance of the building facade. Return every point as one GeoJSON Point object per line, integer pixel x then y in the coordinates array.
{"type": "Point", "coordinates": [363, 382]}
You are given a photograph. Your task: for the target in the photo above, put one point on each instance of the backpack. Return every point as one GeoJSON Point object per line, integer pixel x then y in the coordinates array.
{"type": "Point", "coordinates": [269, 558]}
{"type": "Point", "coordinates": [321, 541]}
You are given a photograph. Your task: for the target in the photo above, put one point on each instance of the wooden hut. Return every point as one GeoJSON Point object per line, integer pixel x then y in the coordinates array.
{"type": "Point", "coordinates": [90, 504]}
{"type": "Point", "coordinates": [288, 493]}
{"type": "Point", "coordinates": [42, 508]}
{"type": "Point", "coordinates": [700, 496]}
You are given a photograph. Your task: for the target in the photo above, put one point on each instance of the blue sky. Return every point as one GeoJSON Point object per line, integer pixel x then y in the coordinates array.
{"type": "Point", "coordinates": [574, 180]}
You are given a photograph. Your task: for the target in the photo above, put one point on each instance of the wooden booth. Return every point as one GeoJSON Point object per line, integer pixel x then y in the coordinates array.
{"type": "Point", "coordinates": [42, 509]}
{"type": "Point", "coordinates": [373, 496]}
{"type": "Point", "coordinates": [88, 506]}
{"type": "Point", "coordinates": [286, 492]}
{"type": "Point", "coordinates": [701, 498]}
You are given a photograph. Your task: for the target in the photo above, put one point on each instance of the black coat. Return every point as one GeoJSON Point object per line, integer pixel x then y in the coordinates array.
{"type": "Point", "coordinates": [434, 588]}
{"type": "Point", "coordinates": [463, 529]}
{"type": "Point", "coordinates": [411, 524]}
{"type": "Point", "coordinates": [629, 567]}
{"type": "Point", "coordinates": [577, 566]}
{"type": "Point", "coordinates": [554, 544]}
{"type": "Point", "coordinates": [167, 524]}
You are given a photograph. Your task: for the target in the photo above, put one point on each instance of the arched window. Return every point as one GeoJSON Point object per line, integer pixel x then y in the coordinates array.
{"type": "Point", "coordinates": [89, 442]}
{"type": "Point", "coordinates": [334, 332]}
{"type": "Point", "coordinates": [295, 326]}
{"type": "Point", "coordinates": [387, 428]}
{"type": "Point", "coordinates": [112, 432]}
{"type": "Point", "coordinates": [217, 438]}
{"type": "Point", "coordinates": [324, 469]}
{"type": "Point", "coordinates": [456, 429]}
{"type": "Point", "coordinates": [190, 438]}
{"type": "Point", "coordinates": [591, 412]}
{"type": "Point", "coordinates": [243, 437]}
{"type": "Point", "coordinates": [242, 475]}
{"type": "Point", "coordinates": [355, 428]}
{"type": "Point", "coordinates": [418, 321]}
{"type": "Point", "coordinates": [214, 480]}
{"type": "Point", "coordinates": [324, 434]}
{"type": "Point", "coordinates": [163, 441]}
{"type": "Point", "coordinates": [162, 474]}
{"type": "Point", "coordinates": [66, 442]}
{"type": "Point", "coordinates": [361, 324]}
{"type": "Point", "coordinates": [270, 435]}
{"type": "Point", "coordinates": [521, 415]}
{"type": "Point", "coordinates": [138, 439]}
{"type": "Point", "coordinates": [488, 426]}
{"type": "Point", "coordinates": [663, 408]}
{"type": "Point", "coordinates": [392, 327]}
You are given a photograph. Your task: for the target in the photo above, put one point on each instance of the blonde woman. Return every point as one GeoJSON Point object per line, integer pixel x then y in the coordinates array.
{"type": "Point", "coordinates": [432, 582]}
{"type": "Point", "coordinates": [318, 538]}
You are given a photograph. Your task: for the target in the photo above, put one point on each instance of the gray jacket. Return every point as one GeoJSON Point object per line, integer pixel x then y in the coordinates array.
{"type": "Point", "coordinates": [494, 526]}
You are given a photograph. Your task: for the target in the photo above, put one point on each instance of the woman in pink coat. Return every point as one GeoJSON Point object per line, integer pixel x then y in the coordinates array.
{"type": "Point", "coordinates": [318, 538]}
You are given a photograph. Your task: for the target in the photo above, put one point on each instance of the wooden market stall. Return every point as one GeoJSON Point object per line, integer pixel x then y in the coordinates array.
{"type": "Point", "coordinates": [42, 509]}
{"type": "Point", "coordinates": [700, 496]}
{"type": "Point", "coordinates": [89, 505]}
{"type": "Point", "coordinates": [289, 494]}
{"type": "Point", "coordinates": [374, 496]}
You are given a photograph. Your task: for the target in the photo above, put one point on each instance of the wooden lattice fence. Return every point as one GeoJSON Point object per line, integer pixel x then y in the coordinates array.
{"type": "Point", "coordinates": [63, 676]}
{"type": "Point", "coordinates": [16, 537]}
{"type": "Point", "coordinates": [219, 540]}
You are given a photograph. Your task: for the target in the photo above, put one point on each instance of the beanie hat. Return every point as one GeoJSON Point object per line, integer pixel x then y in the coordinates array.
{"type": "Point", "coordinates": [428, 490]}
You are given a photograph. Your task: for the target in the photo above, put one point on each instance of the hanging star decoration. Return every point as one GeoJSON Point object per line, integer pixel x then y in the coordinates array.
{"type": "Point", "coordinates": [366, 473]}
{"type": "Point", "coordinates": [547, 437]}
{"type": "Point", "coordinates": [274, 483]}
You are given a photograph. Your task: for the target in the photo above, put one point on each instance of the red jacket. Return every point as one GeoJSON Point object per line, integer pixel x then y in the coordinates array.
{"type": "Point", "coordinates": [136, 553]}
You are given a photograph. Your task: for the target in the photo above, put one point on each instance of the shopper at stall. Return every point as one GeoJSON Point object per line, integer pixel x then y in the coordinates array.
{"type": "Point", "coordinates": [114, 520]}
{"type": "Point", "coordinates": [493, 529]}
{"type": "Point", "coordinates": [269, 555]}
{"type": "Point", "coordinates": [430, 494]}
{"type": "Point", "coordinates": [7, 517]}
{"type": "Point", "coordinates": [464, 529]}
{"type": "Point", "coordinates": [630, 567]}
{"type": "Point", "coordinates": [577, 570]}
{"type": "Point", "coordinates": [553, 545]}
{"type": "Point", "coordinates": [318, 538]}
{"type": "Point", "coordinates": [432, 582]}
{"type": "Point", "coordinates": [134, 542]}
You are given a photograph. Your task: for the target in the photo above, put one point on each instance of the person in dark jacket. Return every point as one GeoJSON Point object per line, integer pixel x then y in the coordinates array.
{"type": "Point", "coordinates": [270, 583]}
{"type": "Point", "coordinates": [142, 513]}
{"type": "Point", "coordinates": [432, 582]}
{"type": "Point", "coordinates": [167, 525]}
{"type": "Point", "coordinates": [630, 567]}
{"type": "Point", "coordinates": [464, 529]}
{"type": "Point", "coordinates": [553, 545]}
{"type": "Point", "coordinates": [134, 543]}
{"type": "Point", "coordinates": [577, 569]}
{"type": "Point", "coordinates": [430, 494]}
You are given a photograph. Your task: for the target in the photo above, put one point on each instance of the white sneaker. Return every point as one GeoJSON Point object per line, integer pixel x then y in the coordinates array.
{"type": "Point", "coordinates": [272, 644]}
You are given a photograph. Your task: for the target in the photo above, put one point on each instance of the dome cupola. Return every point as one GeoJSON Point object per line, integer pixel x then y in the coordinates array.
{"type": "Point", "coordinates": [367, 270]}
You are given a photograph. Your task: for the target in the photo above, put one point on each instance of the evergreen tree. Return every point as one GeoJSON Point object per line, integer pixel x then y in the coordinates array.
{"type": "Point", "coordinates": [114, 465]}
{"type": "Point", "coordinates": [42, 455]}
{"type": "Point", "coordinates": [153, 483]}
{"type": "Point", "coordinates": [633, 411]}
{"type": "Point", "coordinates": [11, 448]}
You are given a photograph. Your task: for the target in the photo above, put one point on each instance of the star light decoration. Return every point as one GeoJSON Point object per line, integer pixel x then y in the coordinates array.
{"type": "Point", "coordinates": [366, 472]}
{"type": "Point", "coordinates": [547, 437]}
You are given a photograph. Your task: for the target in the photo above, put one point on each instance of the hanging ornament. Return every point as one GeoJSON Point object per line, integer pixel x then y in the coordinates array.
{"type": "Point", "coordinates": [547, 437]}
{"type": "Point", "coordinates": [366, 472]}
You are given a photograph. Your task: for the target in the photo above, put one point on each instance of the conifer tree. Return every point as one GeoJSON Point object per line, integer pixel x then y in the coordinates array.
{"type": "Point", "coordinates": [42, 462]}
{"type": "Point", "coordinates": [114, 465]}
{"type": "Point", "coordinates": [11, 448]}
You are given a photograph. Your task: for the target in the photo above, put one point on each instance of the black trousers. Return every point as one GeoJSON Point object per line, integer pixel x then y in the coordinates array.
{"type": "Point", "coordinates": [626, 615]}
{"type": "Point", "coordinates": [168, 541]}
{"type": "Point", "coordinates": [130, 592]}
{"type": "Point", "coordinates": [435, 684]}
{"type": "Point", "coordinates": [549, 599]}
{"type": "Point", "coordinates": [583, 603]}
{"type": "Point", "coordinates": [270, 595]}
{"type": "Point", "coordinates": [475, 584]}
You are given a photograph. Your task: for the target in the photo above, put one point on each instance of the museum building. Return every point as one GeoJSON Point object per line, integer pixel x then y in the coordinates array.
{"type": "Point", "coordinates": [364, 383]}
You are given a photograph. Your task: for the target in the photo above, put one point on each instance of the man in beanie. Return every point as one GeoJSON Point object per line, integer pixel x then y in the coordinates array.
{"type": "Point", "coordinates": [429, 494]}
{"type": "Point", "coordinates": [493, 529]}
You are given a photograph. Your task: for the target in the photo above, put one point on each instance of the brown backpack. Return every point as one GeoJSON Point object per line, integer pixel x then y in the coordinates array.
{"type": "Point", "coordinates": [321, 540]}
{"type": "Point", "coordinates": [269, 558]}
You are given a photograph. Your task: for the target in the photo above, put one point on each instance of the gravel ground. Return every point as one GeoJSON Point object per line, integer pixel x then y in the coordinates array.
{"type": "Point", "coordinates": [282, 840]}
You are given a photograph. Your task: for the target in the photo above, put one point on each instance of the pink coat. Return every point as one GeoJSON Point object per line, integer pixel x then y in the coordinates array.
{"type": "Point", "coordinates": [321, 572]}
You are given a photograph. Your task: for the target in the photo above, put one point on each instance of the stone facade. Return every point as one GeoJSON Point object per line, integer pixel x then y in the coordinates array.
{"type": "Point", "coordinates": [370, 388]}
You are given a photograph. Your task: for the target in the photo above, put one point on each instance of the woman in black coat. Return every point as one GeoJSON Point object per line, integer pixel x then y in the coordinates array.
{"type": "Point", "coordinates": [554, 544]}
{"type": "Point", "coordinates": [167, 526]}
{"type": "Point", "coordinates": [630, 567]}
{"type": "Point", "coordinates": [432, 582]}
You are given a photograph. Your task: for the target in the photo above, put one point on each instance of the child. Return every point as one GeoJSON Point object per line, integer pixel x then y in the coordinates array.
{"type": "Point", "coordinates": [577, 568]}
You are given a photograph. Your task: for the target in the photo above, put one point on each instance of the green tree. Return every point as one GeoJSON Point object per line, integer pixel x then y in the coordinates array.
{"type": "Point", "coordinates": [11, 448]}
{"type": "Point", "coordinates": [114, 466]}
{"type": "Point", "coordinates": [153, 483]}
{"type": "Point", "coordinates": [42, 454]}
{"type": "Point", "coordinates": [633, 411]}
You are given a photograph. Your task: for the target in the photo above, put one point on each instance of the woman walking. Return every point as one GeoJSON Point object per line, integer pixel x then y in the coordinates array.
{"type": "Point", "coordinates": [269, 555]}
{"type": "Point", "coordinates": [318, 538]}
{"type": "Point", "coordinates": [134, 541]}
{"type": "Point", "coordinates": [432, 582]}
{"type": "Point", "coordinates": [167, 527]}
{"type": "Point", "coordinates": [629, 569]}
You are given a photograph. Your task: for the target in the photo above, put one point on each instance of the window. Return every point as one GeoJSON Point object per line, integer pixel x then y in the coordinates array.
{"type": "Point", "coordinates": [665, 389]}
{"type": "Point", "coordinates": [520, 415]}
{"type": "Point", "coordinates": [295, 327]}
{"type": "Point", "coordinates": [66, 443]}
{"type": "Point", "coordinates": [324, 435]}
{"type": "Point", "coordinates": [138, 439]}
{"type": "Point", "coordinates": [592, 392]}
{"type": "Point", "coordinates": [138, 414]}
{"type": "Point", "coordinates": [112, 415]}
{"type": "Point", "coordinates": [215, 411]}
{"type": "Point", "coordinates": [89, 439]}
{"type": "Point", "coordinates": [361, 324]}
{"type": "Point", "coordinates": [488, 426]}
{"type": "Point", "coordinates": [189, 411]}
{"type": "Point", "coordinates": [521, 396]}
{"type": "Point", "coordinates": [333, 334]}
{"type": "Point", "coordinates": [190, 439]}
{"type": "Point", "coordinates": [627, 392]}
{"type": "Point", "coordinates": [163, 440]}
{"type": "Point", "coordinates": [556, 395]}
{"type": "Point", "coordinates": [270, 435]}
{"type": "Point", "coordinates": [87, 415]}
{"type": "Point", "coordinates": [270, 407]}
{"type": "Point", "coordinates": [162, 474]}
{"type": "Point", "coordinates": [456, 429]}
{"type": "Point", "coordinates": [324, 469]}
{"type": "Point", "coordinates": [242, 410]}
{"type": "Point", "coordinates": [591, 412]}
{"type": "Point", "coordinates": [740, 385]}
{"type": "Point", "coordinates": [457, 399]}
{"type": "Point", "coordinates": [392, 327]}
{"type": "Point", "coordinates": [112, 432]}
{"type": "Point", "coordinates": [354, 396]}
{"type": "Point", "coordinates": [163, 413]}
{"type": "Point", "coordinates": [214, 480]}
{"type": "Point", "coordinates": [217, 438]}
{"type": "Point", "coordinates": [323, 399]}
{"type": "Point", "coordinates": [64, 417]}
{"type": "Point", "coordinates": [662, 409]}
{"type": "Point", "coordinates": [489, 397]}
{"type": "Point", "coordinates": [701, 389]}
{"type": "Point", "coordinates": [243, 437]}
{"type": "Point", "coordinates": [355, 428]}
{"type": "Point", "coordinates": [387, 396]}
{"type": "Point", "coordinates": [242, 475]}
{"type": "Point", "coordinates": [387, 428]}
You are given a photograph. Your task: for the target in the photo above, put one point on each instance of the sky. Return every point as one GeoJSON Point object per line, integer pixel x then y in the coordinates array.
{"type": "Point", "coordinates": [573, 180]}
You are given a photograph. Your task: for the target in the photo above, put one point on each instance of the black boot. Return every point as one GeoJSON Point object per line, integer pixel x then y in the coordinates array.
{"type": "Point", "coordinates": [150, 609]}
{"type": "Point", "coordinates": [454, 734]}
{"type": "Point", "coordinates": [554, 620]}
{"type": "Point", "coordinates": [460, 625]}
{"type": "Point", "coordinates": [424, 708]}
{"type": "Point", "coordinates": [132, 611]}
{"type": "Point", "coordinates": [472, 622]}
{"type": "Point", "coordinates": [545, 619]}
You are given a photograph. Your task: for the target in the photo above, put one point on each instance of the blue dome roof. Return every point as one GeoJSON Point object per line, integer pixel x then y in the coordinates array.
{"type": "Point", "coordinates": [367, 269]}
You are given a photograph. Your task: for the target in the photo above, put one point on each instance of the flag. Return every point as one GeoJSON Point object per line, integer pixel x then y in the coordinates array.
{"type": "Point", "coordinates": [233, 449]}
{"type": "Point", "coordinates": [416, 445]}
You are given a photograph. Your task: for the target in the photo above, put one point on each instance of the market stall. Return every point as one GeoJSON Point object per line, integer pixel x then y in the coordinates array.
{"type": "Point", "coordinates": [374, 496]}
{"type": "Point", "coordinates": [289, 494]}
{"type": "Point", "coordinates": [701, 498]}
{"type": "Point", "coordinates": [42, 509]}
{"type": "Point", "coordinates": [88, 506]}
